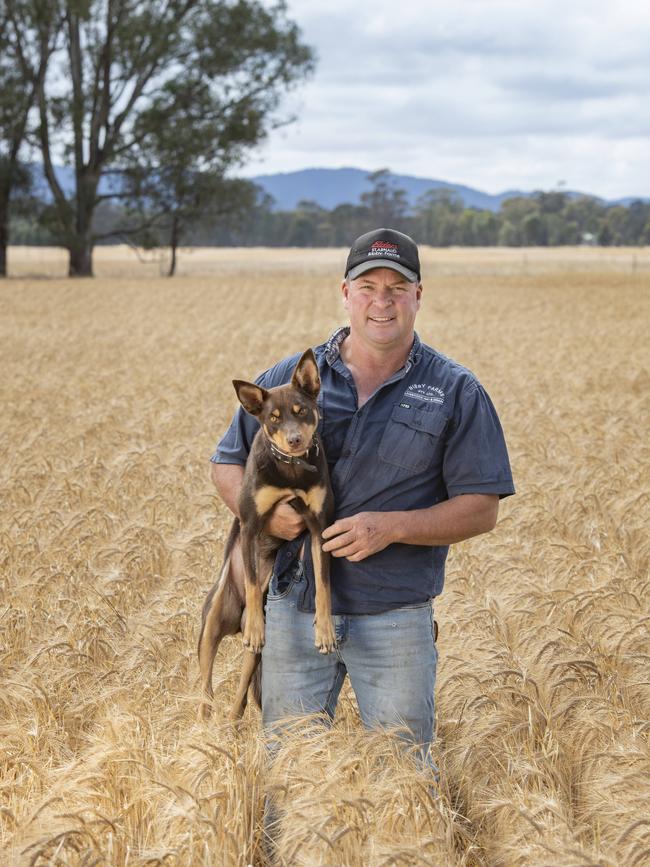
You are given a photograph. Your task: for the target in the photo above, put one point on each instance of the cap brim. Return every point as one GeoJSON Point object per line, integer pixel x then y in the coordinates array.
{"type": "Point", "coordinates": [355, 272]}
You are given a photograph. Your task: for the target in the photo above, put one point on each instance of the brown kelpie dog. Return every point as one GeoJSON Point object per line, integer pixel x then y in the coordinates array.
{"type": "Point", "coordinates": [286, 463]}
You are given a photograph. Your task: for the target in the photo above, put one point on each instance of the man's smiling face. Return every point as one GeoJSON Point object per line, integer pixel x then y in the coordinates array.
{"type": "Point", "coordinates": [382, 306]}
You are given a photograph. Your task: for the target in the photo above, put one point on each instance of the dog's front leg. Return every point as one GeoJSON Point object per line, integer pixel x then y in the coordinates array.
{"type": "Point", "coordinates": [324, 635]}
{"type": "Point", "coordinates": [254, 626]}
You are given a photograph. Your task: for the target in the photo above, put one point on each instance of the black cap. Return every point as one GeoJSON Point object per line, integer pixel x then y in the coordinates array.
{"type": "Point", "coordinates": [384, 248]}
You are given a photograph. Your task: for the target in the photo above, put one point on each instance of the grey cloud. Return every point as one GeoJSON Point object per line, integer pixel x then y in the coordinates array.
{"type": "Point", "coordinates": [463, 89]}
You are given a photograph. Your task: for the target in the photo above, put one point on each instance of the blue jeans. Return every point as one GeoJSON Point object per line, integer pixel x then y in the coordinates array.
{"type": "Point", "coordinates": [391, 660]}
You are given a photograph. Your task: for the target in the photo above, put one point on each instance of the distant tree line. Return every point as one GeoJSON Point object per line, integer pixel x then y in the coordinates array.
{"type": "Point", "coordinates": [440, 219]}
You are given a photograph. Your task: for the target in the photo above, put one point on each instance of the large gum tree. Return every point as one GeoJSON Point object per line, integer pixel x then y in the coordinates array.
{"type": "Point", "coordinates": [28, 31]}
{"type": "Point", "coordinates": [115, 66]}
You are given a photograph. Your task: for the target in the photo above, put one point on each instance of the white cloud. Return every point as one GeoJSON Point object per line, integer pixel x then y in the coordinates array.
{"type": "Point", "coordinates": [494, 93]}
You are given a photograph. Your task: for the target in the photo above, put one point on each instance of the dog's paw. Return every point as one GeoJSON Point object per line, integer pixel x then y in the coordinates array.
{"type": "Point", "coordinates": [254, 641]}
{"type": "Point", "coordinates": [325, 639]}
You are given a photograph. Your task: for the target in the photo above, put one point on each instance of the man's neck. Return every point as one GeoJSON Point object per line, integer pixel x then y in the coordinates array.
{"type": "Point", "coordinates": [371, 361]}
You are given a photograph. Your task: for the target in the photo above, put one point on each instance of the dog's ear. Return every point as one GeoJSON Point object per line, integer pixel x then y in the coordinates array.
{"type": "Point", "coordinates": [250, 396]}
{"type": "Point", "coordinates": [306, 376]}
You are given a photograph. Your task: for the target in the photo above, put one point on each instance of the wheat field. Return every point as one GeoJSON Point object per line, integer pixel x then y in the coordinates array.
{"type": "Point", "coordinates": [114, 391]}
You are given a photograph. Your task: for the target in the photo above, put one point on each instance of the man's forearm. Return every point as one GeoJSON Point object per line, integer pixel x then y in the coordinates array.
{"type": "Point", "coordinates": [365, 533]}
{"type": "Point", "coordinates": [445, 523]}
{"type": "Point", "coordinates": [228, 479]}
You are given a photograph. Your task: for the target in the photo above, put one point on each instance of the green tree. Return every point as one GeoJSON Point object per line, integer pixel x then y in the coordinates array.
{"type": "Point", "coordinates": [535, 230]}
{"type": "Point", "coordinates": [509, 235]}
{"type": "Point", "coordinates": [27, 34]}
{"type": "Point", "coordinates": [186, 141]}
{"type": "Point", "coordinates": [605, 236]}
{"type": "Point", "coordinates": [515, 210]}
{"type": "Point", "coordinates": [467, 228]}
{"type": "Point", "coordinates": [587, 212]}
{"type": "Point", "coordinates": [645, 235]}
{"type": "Point", "coordinates": [487, 228]}
{"type": "Point", "coordinates": [552, 202]}
{"type": "Point", "coordinates": [386, 204]}
{"type": "Point", "coordinates": [128, 63]}
{"type": "Point", "coordinates": [436, 217]}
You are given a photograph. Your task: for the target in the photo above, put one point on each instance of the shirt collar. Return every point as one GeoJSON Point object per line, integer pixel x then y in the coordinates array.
{"type": "Point", "coordinates": [333, 346]}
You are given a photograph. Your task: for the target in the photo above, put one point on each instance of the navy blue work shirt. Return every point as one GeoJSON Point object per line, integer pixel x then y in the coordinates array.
{"type": "Point", "coordinates": [427, 434]}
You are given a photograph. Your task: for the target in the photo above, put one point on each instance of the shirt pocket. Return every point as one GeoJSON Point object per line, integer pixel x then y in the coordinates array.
{"type": "Point", "coordinates": [411, 437]}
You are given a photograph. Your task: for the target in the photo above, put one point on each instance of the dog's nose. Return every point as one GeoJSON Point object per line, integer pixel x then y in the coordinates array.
{"type": "Point", "coordinates": [294, 439]}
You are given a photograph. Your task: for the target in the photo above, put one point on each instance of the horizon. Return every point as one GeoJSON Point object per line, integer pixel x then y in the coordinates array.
{"type": "Point", "coordinates": [455, 183]}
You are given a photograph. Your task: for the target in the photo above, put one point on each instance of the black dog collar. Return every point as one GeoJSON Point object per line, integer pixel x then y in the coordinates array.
{"type": "Point", "coordinates": [279, 455]}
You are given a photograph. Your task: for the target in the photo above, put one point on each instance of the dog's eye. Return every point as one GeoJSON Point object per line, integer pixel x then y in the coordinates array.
{"type": "Point", "coordinates": [302, 411]}
{"type": "Point", "coordinates": [275, 418]}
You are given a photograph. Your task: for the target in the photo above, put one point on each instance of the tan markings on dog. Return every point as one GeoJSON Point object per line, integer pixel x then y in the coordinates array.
{"type": "Point", "coordinates": [296, 408]}
{"type": "Point", "coordinates": [324, 636]}
{"type": "Point", "coordinates": [314, 498]}
{"type": "Point", "coordinates": [280, 440]}
{"type": "Point", "coordinates": [254, 628]}
{"type": "Point", "coordinates": [268, 496]}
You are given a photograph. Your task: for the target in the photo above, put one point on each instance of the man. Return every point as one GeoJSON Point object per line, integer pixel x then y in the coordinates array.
{"type": "Point", "coordinates": [417, 461]}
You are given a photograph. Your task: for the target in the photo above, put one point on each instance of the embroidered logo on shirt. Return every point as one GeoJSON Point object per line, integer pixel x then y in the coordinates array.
{"type": "Point", "coordinates": [424, 391]}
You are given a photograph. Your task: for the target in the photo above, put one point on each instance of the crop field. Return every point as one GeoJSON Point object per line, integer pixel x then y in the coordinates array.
{"type": "Point", "coordinates": [114, 392]}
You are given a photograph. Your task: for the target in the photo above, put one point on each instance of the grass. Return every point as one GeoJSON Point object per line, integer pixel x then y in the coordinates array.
{"type": "Point", "coordinates": [114, 391]}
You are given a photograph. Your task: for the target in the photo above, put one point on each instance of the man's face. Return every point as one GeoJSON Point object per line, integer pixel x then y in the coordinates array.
{"type": "Point", "coordinates": [382, 306]}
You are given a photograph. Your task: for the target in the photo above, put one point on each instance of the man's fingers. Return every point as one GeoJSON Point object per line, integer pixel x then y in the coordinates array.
{"type": "Point", "coordinates": [360, 555]}
{"type": "Point", "coordinates": [347, 551]}
{"type": "Point", "coordinates": [340, 526]}
{"type": "Point", "coordinates": [346, 538]}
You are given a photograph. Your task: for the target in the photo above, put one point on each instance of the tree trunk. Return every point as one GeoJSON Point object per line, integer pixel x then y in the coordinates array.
{"type": "Point", "coordinates": [81, 258]}
{"type": "Point", "coordinates": [4, 227]}
{"type": "Point", "coordinates": [173, 243]}
{"type": "Point", "coordinates": [81, 245]}
{"type": "Point", "coordinates": [4, 241]}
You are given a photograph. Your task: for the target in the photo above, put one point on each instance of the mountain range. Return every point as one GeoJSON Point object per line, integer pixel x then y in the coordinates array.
{"type": "Point", "coordinates": [332, 187]}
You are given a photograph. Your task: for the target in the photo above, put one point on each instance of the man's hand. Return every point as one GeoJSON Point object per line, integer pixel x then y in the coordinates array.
{"type": "Point", "coordinates": [284, 522]}
{"type": "Point", "coordinates": [358, 536]}
{"type": "Point", "coordinates": [462, 517]}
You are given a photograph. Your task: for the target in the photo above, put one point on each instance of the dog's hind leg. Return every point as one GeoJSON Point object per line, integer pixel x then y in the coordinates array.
{"type": "Point", "coordinates": [256, 685]}
{"type": "Point", "coordinates": [211, 635]}
{"type": "Point", "coordinates": [249, 666]}
{"type": "Point", "coordinates": [222, 614]}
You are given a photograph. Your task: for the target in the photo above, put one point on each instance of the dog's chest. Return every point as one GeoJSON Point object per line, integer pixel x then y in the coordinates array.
{"type": "Point", "coordinates": [268, 495]}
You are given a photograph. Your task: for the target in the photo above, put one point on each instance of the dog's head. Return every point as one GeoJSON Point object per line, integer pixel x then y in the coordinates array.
{"type": "Point", "coordinates": [288, 413]}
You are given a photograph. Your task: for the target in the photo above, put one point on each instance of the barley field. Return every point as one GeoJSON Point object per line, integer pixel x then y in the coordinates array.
{"type": "Point", "coordinates": [114, 391]}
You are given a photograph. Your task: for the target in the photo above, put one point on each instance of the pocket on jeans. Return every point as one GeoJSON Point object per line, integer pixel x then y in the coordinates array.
{"type": "Point", "coordinates": [282, 585]}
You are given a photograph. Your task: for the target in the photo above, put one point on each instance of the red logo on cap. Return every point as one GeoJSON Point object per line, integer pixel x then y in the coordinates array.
{"type": "Point", "coordinates": [385, 245]}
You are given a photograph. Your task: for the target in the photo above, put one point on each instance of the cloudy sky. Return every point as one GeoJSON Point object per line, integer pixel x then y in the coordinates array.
{"type": "Point", "coordinates": [496, 94]}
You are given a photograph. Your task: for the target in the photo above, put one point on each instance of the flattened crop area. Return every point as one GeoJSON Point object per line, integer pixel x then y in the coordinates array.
{"type": "Point", "coordinates": [114, 391]}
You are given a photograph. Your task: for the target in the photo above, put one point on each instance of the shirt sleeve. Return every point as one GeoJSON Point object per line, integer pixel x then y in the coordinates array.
{"type": "Point", "coordinates": [235, 445]}
{"type": "Point", "coordinates": [476, 457]}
